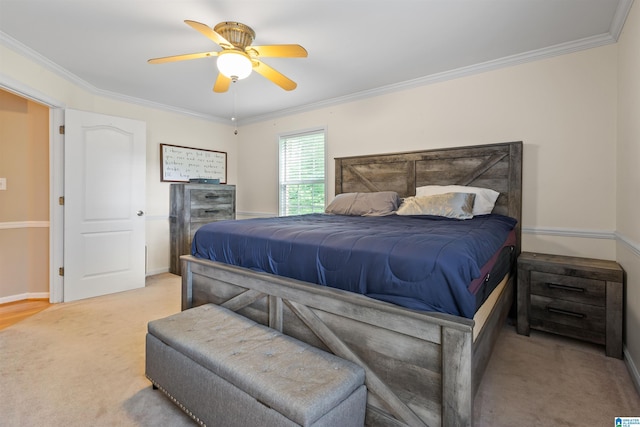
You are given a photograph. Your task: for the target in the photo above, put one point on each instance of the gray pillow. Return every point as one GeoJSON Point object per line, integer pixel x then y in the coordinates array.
{"type": "Point", "coordinates": [450, 205]}
{"type": "Point", "coordinates": [483, 204]}
{"type": "Point", "coordinates": [379, 203]}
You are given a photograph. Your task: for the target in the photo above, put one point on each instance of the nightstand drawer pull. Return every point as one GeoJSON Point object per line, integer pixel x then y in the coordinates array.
{"type": "Point", "coordinates": [565, 312]}
{"type": "Point", "coordinates": [565, 287]}
{"type": "Point", "coordinates": [212, 196]}
{"type": "Point", "coordinates": [212, 210]}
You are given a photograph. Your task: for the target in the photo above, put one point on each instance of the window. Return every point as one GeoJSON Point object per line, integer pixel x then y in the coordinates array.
{"type": "Point", "coordinates": [302, 171]}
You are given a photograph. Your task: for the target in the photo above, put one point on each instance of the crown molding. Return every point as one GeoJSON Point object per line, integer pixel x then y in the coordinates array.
{"type": "Point", "coordinates": [610, 37]}
{"type": "Point", "coordinates": [531, 56]}
{"type": "Point", "coordinates": [34, 56]}
{"type": "Point", "coordinates": [620, 17]}
{"type": "Point", "coordinates": [561, 49]}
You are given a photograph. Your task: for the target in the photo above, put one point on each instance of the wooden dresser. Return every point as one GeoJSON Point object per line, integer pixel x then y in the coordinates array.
{"type": "Point", "coordinates": [192, 206]}
{"type": "Point", "coordinates": [576, 297]}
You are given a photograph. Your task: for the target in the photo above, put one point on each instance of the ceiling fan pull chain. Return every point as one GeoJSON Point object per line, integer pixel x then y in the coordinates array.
{"type": "Point", "coordinates": [234, 118]}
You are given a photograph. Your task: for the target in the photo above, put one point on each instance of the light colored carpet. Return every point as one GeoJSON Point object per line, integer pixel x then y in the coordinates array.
{"type": "Point", "coordinates": [82, 363]}
{"type": "Point", "coordinates": [549, 380]}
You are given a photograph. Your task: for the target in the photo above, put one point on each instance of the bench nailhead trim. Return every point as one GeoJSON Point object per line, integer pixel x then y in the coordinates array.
{"type": "Point", "coordinates": [180, 405]}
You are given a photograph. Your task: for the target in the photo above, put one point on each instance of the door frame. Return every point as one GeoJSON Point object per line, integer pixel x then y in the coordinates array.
{"type": "Point", "coordinates": [56, 179]}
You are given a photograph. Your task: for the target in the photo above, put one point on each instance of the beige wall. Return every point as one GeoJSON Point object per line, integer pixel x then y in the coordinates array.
{"type": "Point", "coordinates": [628, 177]}
{"type": "Point", "coordinates": [563, 108]}
{"type": "Point", "coordinates": [169, 128]}
{"type": "Point", "coordinates": [24, 206]}
{"type": "Point", "coordinates": [162, 127]}
{"type": "Point", "coordinates": [575, 113]}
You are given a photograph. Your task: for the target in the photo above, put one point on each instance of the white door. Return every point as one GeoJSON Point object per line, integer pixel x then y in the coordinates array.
{"type": "Point", "coordinates": [104, 202]}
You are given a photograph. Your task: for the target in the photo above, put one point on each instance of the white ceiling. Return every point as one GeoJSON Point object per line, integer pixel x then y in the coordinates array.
{"type": "Point", "coordinates": [357, 48]}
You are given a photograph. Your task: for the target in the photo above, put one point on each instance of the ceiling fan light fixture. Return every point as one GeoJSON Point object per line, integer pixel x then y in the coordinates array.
{"type": "Point", "coordinates": [234, 64]}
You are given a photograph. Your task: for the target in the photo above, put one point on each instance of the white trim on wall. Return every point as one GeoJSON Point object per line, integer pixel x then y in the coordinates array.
{"type": "Point", "coordinates": [18, 88]}
{"type": "Point", "coordinates": [25, 296]}
{"type": "Point", "coordinates": [633, 246]}
{"type": "Point", "coordinates": [23, 224]}
{"type": "Point", "coordinates": [56, 211]}
{"type": "Point", "coordinates": [570, 232]}
{"type": "Point", "coordinates": [246, 215]}
{"type": "Point", "coordinates": [586, 234]}
{"type": "Point", "coordinates": [631, 367]}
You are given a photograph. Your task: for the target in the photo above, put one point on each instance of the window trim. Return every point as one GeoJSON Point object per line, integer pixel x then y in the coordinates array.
{"type": "Point", "coordinates": [279, 137]}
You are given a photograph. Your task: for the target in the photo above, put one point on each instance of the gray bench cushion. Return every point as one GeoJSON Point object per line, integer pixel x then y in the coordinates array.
{"type": "Point", "coordinates": [298, 380]}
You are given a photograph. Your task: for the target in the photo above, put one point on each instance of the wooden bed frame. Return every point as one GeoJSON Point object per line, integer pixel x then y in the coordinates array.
{"type": "Point", "coordinates": [422, 369]}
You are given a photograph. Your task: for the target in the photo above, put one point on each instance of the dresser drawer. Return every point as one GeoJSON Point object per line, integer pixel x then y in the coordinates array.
{"type": "Point", "coordinates": [569, 288]}
{"type": "Point", "coordinates": [207, 197]}
{"type": "Point", "coordinates": [211, 205]}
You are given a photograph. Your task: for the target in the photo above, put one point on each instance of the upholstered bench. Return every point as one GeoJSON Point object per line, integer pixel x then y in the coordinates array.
{"type": "Point", "coordinates": [226, 370]}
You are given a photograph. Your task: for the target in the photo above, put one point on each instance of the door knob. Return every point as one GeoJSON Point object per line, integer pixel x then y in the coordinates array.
{"type": "Point", "coordinates": [140, 213]}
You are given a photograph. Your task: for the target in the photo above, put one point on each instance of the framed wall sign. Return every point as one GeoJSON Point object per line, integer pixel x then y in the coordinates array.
{"type": "Point", "coordinates": [180, 164]}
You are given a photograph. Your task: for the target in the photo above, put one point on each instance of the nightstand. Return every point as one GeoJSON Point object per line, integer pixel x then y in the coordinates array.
{"type": "Point", "coordinates": [575, 297]}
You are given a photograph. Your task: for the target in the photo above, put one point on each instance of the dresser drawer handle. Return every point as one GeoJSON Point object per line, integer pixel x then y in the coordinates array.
{"type": "Point", "coordinates": [565, 312]}
{"type": "Point", "coordinates": [211, 196]}
{"type": "Point", "coordinates": [211, 210]}
{"type": "Point", "coordinates": [565, 287]}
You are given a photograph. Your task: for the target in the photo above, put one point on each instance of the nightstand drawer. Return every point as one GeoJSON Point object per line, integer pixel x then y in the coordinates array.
{"type": "Point", "coordinates": [569, 288]}
{"type": "Point", "coordinates": [568, 313]}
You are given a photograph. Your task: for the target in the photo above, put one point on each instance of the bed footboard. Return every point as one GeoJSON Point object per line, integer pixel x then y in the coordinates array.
{"type": "Point", "coordinates": [419, 366]}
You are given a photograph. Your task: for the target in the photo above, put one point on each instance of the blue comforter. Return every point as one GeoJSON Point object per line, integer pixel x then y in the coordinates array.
{"type": "Point", "coordinates": [424, 263]}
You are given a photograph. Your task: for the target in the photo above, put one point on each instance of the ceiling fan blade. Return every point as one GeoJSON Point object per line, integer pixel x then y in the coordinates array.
{"type": "Point", "coordinates": [181, 57]}
{"type": "Point", "coordinates": [209, 33]}
{"type": "Point", "coordinates": [273, 75]}
{"type": "Point", "coordinates": [278, 50]}
{"type": "Point", "coordinates": [222, 83]}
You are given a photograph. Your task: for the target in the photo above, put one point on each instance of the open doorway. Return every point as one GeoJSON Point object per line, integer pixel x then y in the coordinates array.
{"type": "Point", "coordinates": [24, 198]}
{"type": "Point", "coordinates": [52, 147]}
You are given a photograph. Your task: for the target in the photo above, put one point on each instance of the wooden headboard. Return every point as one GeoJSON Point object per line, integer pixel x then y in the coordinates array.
{"type": "Point", "coordinates": [495, 166]}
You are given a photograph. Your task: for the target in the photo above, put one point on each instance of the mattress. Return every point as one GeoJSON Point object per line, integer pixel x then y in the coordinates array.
{"type": "Point", "coordinates": [424, 263]}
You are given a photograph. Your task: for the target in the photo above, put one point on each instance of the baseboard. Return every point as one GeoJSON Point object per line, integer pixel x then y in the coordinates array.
{"type": "Point", "coordinates": [20, 297]}
{"type": "Point", "coordinates": [157, 271]}
{"type": "Point", "coordinates": [45, 295]}
{"type": "Point", "coordinates": [633, 370]}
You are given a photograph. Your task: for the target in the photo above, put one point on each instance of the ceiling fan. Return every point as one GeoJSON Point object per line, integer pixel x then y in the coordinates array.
{"type": "Point", "coordinates": [238, 57]}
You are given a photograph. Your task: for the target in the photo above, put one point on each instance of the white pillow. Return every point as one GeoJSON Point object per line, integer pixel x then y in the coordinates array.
{"type": "Point", "coordinates": [485, 197]}
{"type": "Point", "coordinates": [450, 205]}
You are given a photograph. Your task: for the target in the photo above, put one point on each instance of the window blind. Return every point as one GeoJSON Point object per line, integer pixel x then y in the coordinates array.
{"type": "Point", "coordinates": [302, 173]}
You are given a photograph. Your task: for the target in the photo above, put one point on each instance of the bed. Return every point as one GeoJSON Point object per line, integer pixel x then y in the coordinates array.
{"type": "Point", "coordinates": [422, 368]}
